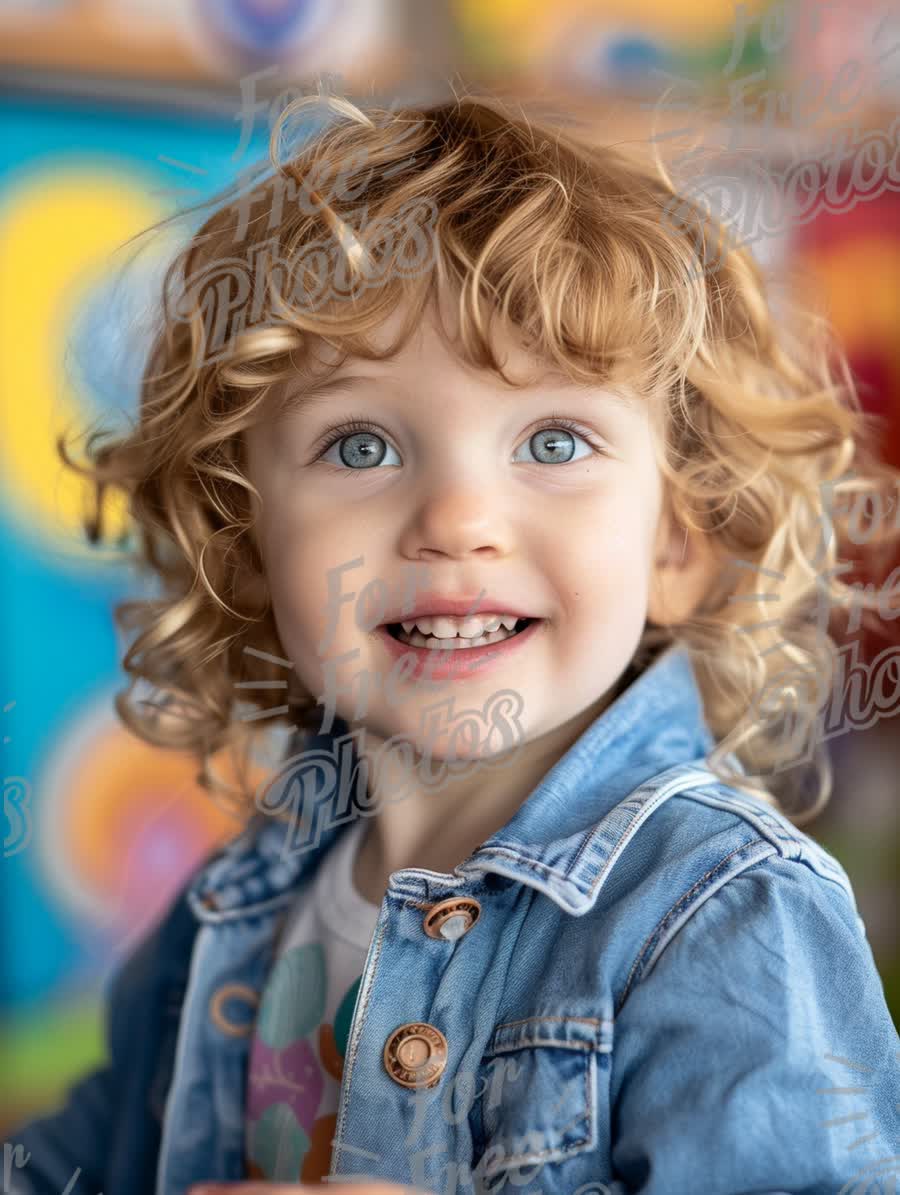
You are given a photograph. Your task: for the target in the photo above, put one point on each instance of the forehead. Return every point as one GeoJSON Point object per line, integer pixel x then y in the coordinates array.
{"type": "Point", "coordinates": [434, 341]}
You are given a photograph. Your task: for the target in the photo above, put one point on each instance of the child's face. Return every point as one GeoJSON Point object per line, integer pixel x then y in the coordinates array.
{"type": "Point", "coordinates": [463, 492]}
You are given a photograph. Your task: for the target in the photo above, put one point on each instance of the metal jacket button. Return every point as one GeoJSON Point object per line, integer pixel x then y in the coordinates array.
{"type": "Point", "coordinates": [452, 918]}
{"type": "Point", "coordinates": [415, 1055]}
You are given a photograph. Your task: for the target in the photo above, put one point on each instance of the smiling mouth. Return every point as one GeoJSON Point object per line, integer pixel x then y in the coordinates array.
{"type": "Point", "coordinates": [415, 638]}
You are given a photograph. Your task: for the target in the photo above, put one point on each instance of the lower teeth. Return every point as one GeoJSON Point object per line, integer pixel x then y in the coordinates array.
{"type": "Point", "coordinates": [417, 639]}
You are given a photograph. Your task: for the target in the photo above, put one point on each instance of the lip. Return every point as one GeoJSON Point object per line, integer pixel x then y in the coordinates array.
{"type": "Point", "coordinates": [431, 604]}
{"type": "Point", "coordinates": [456, 663]}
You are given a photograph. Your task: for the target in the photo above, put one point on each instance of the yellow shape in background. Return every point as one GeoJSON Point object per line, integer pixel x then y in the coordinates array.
{"type": "Point", "coordinates": [58, 229]}
{"type": "Point", "coordinates": [525, 28]}
{"type": "Point", "coordinates": [865, 315]}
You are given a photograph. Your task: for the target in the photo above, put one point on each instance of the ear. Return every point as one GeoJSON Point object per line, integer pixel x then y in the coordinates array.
{"type": "Point", "coordinates": [684, 568]}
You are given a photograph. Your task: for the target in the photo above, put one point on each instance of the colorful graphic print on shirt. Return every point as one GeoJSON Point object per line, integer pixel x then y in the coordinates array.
{"type": "Point", "coordinates": [286, 1140]}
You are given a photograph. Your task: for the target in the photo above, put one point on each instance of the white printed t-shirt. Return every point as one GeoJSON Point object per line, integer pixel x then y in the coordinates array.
{"type": "Point", "coordinates": [300, 1036]}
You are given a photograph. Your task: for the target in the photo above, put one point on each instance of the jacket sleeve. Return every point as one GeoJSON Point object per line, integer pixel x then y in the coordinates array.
{"type": "Point", "coordinates": [755, 1050]}
{"type": "Point", "coordinates": [43, 1156]}
{"type": "Point", "coordinates": [96, 1119]}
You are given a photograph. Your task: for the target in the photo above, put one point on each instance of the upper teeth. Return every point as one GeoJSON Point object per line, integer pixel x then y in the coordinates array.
{"type": "Point", "coordinates": [445, 627]}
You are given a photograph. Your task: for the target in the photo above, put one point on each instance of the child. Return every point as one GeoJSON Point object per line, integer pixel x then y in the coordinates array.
{"type": "Point", "coordinates": [446, 432]}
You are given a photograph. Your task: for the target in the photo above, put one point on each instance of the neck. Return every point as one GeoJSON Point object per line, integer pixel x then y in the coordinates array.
{"type": "Point", "coordinates": [437, 826]}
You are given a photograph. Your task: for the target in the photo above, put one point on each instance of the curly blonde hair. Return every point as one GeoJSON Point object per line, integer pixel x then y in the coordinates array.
{"type": "Point", "coordinates": [576, 245]}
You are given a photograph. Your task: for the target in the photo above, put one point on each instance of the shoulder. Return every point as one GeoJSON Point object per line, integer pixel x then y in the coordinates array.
{"type": "Point", "coordinates": [709, 831]}
{"type": "Point", "coordinates": [749, 817]}
{"type": "Point", "coordinates": [713, 845]}
{"type": "Point", "coordinates": [158, 961]}
{"type": "Point", "coordinates": [747, 988]}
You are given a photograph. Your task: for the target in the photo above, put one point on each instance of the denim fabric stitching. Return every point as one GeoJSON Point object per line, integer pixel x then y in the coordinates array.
{"type": "Point", "coordinates": [681, 903]}
{"type": "Point", "coordinates": [351, 1057]}
{"type": "Point", "coordinates": [516, 1161]}
{"type": "Point", "coordinates": [806, 850]}
{"type": "Point", "coordinates": [641, 813]}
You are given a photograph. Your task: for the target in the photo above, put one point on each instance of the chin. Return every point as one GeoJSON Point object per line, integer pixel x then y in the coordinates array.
{"type": "Point", "coordinates": [435, 768]}
{"type": "Point", "coordinates": [471, 737]}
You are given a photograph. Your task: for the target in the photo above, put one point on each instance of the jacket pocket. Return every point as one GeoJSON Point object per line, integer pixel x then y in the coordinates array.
{"type": "Point", "coordinates": [538, 1095]}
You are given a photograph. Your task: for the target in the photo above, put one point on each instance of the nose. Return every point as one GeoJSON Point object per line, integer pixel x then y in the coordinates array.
{"type": "Point", "coordinates": [457, 519]}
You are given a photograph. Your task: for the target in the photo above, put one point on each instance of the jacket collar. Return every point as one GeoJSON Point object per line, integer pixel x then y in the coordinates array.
{"type": "Point", "coordinates": [563, 839]}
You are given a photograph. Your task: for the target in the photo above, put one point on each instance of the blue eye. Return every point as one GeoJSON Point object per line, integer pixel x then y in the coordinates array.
{"type": "Point", "coordinates": [361, 450]}
{"type": "Point", "coordinates": [359, 446]}
{"type": "Point", "coordinates": [556, 445]}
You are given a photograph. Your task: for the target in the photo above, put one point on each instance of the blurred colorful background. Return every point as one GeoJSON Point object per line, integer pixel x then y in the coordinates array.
{"type": "Point", "coordinates": [119, 112]}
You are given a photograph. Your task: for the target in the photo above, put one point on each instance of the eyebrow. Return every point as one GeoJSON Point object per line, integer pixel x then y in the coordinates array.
{"type": "Point", "coordinates": [317, 393]}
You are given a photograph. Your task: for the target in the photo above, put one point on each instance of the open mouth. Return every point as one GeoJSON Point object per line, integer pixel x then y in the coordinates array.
{"type": "Point", "coordinates": [415, 638]}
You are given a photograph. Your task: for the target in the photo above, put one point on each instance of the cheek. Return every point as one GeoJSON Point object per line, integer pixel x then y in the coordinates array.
{"type": "Point", "coordinates": [601, 573]}
{"type": "Point", "coordinates": [298, 561]}
{"type": "Point", "coordinates": [607, 554]}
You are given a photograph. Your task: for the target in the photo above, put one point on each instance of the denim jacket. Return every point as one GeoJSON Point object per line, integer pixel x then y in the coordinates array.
{"type": "Point", "coordinates": [667, 988]}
